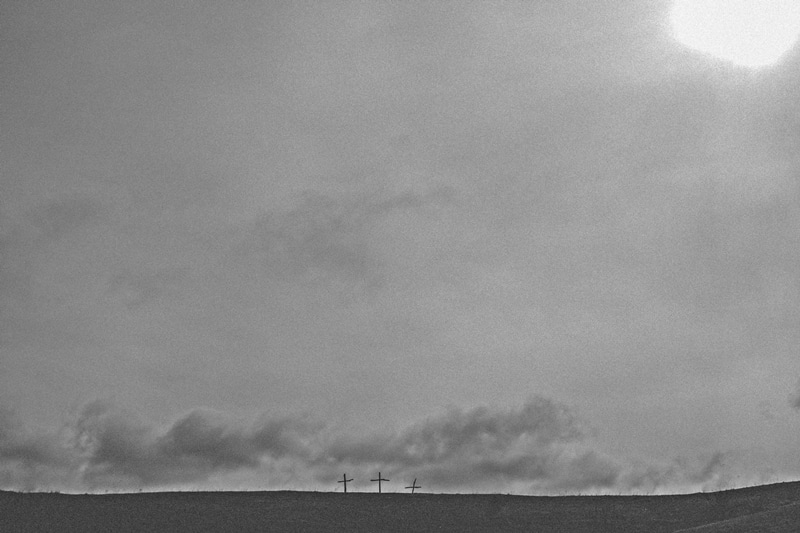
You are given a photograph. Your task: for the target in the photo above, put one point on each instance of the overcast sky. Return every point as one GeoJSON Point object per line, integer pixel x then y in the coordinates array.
{"type": "Point", "coordinates": [534, 246]}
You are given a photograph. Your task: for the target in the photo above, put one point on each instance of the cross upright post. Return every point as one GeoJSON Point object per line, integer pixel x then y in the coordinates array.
{"type": "Point", "coordinates": [414, 486]}
{"type": "Point", "coordinates": [345, 480]}
{"type": "Point", "coordinates": [379, 481]}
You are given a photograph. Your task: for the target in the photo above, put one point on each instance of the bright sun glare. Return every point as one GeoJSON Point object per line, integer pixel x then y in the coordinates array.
{"type": "Point", "coordinates": [751, 33]}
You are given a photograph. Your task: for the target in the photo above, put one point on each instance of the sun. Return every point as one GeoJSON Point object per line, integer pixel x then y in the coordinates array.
{"type": "Point", "coordinates": [750, 33]}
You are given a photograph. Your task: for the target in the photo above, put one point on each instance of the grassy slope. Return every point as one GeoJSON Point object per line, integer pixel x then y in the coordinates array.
{"type": "Point", "coordinates": [316, 511]}
{"type": "Point", "coordinates": [784, 519]}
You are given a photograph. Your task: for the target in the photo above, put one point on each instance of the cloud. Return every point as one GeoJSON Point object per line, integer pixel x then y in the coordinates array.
{"type": "Point", "coordinates": [118, 449]}
{"type": "Point", "coordinates": [541, 446]}
{"type": "Point", "coordinates": [326, 238]}
{"type": "Point", "coordinates": [794, 399]}
{"type": "Point", "coordinates": [316, 239]}
{"type": "Point", "coordinates": [136, 288]}
{"type": "Point", "coordinates": [23, 236]}
{"type": "Point", "coordinates": [15, 277]}
{"type": "Point", "coordinates": [481, 444]}
{"type": "Point", "coordinates": [411, 200]}
{"type": "Point", "coordinates": [57, 218]}
{"type": "Point", "coordinates": [30, 459]}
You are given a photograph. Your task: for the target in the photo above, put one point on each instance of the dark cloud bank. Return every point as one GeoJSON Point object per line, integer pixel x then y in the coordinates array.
{"type": "Point", "coordinates": [539, 447]}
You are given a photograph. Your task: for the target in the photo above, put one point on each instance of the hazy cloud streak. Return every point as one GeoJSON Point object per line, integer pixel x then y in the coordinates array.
{"type": "Point", "coordinates": [794, 399]}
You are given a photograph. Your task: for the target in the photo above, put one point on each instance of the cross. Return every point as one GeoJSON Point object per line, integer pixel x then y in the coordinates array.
{"type": "Point", "coordinates": [414, 486]}
{"type": "Point", "coordinates": [379, 481]}
{"type": "Point", "coordinates": [344, 480]}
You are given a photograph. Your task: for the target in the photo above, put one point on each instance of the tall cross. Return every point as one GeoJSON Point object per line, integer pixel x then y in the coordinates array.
{"type": "Point", "coordinates": [414, 486]}
{"type": "Point", "coordinates": [379, 481]}
{"type": "Point", "coordinates": [345, 480]}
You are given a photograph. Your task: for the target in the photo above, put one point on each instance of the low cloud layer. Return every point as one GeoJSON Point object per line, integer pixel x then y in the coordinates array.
{"type": "Point", "coordinates": [34, 460]}
{"type": "Point", "coordinates": [541, 446]}
{"type": "Point", "coordinates": [116, 447]}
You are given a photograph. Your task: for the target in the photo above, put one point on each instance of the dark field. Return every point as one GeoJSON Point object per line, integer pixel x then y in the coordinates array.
{"type": "Point", "coordinates": [773, 508]}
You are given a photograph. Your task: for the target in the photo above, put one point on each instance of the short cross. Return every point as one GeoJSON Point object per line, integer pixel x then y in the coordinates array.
{"type": "Point", "coordinates": [414, 486]}
{"type": "Point", "coordinates": [345, 480]}
{"type": "Point", "coordinates": [379, 481]}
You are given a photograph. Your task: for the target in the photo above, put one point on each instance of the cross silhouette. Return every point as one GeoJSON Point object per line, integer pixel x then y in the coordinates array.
{"type": "Point", "coordinates": [414, 486]}
{"type": "Point", "coordinates": [345, 480]}
{"type": "Point", "coordinates": [379, 481]}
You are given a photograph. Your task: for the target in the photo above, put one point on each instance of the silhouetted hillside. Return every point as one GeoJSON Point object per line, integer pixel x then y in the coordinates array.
{"type": "Point", "coordinates": [739, 510]}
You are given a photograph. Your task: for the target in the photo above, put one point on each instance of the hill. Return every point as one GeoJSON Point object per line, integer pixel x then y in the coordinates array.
{"type": "Point", "coordinates": [769, 506]}
{"type": "Point", "coordinates": [785, 519]}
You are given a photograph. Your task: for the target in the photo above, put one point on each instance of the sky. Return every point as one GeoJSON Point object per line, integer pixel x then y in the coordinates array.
{"type": "Point", "coordinates": [535, 247]}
